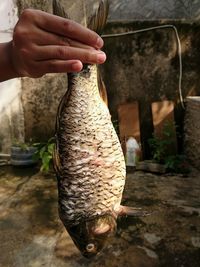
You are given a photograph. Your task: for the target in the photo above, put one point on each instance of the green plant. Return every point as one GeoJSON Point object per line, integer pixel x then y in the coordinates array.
{"type": "Point", "coordinates": [177, 163]}
{"type": "Point", "coordinates": [23, 145]}
{"type": "Point", "coordinates": [159, 146]}
{"type": "Point", "coordinates": [45, 153]}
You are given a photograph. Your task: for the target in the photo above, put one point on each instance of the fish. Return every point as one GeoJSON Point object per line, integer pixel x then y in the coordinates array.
{"type": "Point", "coordinates": [88, 158]}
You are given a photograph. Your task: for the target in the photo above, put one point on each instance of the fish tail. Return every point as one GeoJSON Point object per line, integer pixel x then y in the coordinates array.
{"type": "Point", "coordinates": [98, 20]}
{"type": "Point", "coordinates": [97, 23]}
{"type": "Point", "coordinates": [59, 10]}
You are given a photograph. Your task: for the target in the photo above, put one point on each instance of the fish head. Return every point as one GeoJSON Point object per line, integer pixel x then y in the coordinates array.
{"type": "Point", "coordinates": [90, 236]}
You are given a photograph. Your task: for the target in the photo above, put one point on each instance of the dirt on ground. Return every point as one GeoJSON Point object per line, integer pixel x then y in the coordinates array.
{"type": "Point", "coordinates": [31, 234]}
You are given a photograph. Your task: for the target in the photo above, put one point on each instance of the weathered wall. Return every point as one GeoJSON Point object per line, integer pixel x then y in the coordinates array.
{"type": "Point", "coordinates": [40, 97]}
{"type": "Point", "coordinates": [45, 5]}
{"type": "Point", "coordinates": [77, 10]}
{"type": "Point", "coordinates": [11, 112]}
{"type": "Point", "coordinates": [40, 100]}
{"type": "Point", "coordinates": [126, 9]}
{"type": "Point", "coordinates": [144, 67]}
{"type": "Point", "coordinates": [154, 9]}
{"type": "Point", "coordinates": [192, 131]}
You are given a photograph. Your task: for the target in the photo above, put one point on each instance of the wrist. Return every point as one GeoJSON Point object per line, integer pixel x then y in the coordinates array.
{"type": "Point", "coordinates": [7, 69]}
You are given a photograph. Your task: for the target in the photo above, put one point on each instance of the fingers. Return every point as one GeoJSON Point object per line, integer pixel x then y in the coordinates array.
{"type": "Point", "coordinates": [60, 66]}
{"type": "Point", "coordinates": [38, 69]}
{"type": "Point", "coordinates": [47, 38]}
{"type": "Point", "coordinates": [44, 43]}
{"type": "Point", "coordinates": [70, 53]}
{"type": "Point", "coordinates": [68, 28]}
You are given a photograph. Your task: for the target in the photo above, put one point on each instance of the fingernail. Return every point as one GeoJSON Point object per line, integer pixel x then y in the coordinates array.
{"type": "Point", "coordinates": [77, 66]}
{"type": "Point", "coordinates": [99, 42]}
{"type": "Point", "coordinates": [101, 57]}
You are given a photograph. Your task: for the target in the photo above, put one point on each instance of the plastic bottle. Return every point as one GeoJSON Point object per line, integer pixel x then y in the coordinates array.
{"type": "Point", "coordinates": [132, 148]}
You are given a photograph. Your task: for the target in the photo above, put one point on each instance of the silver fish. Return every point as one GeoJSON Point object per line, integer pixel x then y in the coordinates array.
{"type": "Point", "coordinates": [88, 158]}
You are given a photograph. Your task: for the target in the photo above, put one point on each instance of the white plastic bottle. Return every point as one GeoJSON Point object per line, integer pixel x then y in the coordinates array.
{"type": "Point", "coordinates": [132, 148]}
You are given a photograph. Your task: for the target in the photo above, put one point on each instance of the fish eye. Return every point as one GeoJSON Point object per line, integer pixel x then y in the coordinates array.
{"type": "Point", "coordinates": [90, 247]}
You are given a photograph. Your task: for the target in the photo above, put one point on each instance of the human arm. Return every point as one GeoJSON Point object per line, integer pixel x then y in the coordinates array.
{"type": "Point", "coordinates": [44, 43]}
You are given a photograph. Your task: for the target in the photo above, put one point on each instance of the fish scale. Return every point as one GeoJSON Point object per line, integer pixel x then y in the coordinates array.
{"type": "Point", "coordinates": [103, 148]}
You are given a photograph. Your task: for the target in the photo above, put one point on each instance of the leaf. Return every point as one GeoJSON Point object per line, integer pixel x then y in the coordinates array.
{"type": "Point", "coordinates": [42, 151]}
{"type": "Point", "coordinates": [51, 148]}
{"type": "Point", "coordinates": [36, 156]}
{"type": "Point", "coordinates": [46, 161]}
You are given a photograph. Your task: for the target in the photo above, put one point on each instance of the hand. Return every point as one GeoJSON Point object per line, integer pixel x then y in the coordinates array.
{"type": "Point", "coordinates": [44, 43]}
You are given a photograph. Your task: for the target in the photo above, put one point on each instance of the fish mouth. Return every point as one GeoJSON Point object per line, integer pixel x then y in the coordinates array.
{"type": "Point", "coordinates": [91, 236]}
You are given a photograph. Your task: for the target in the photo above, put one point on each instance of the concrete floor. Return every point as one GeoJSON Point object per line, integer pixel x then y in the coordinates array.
{"type": "Point", "coordinates": [31, 234]}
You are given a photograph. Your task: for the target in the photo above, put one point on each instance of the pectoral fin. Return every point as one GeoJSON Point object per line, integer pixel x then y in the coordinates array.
{"type": "Point", "coordinates": [102, 87]}
{"type": "Point", "coordinates": [130, 211]}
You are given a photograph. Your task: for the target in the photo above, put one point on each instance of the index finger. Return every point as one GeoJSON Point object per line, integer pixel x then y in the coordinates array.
{"type": "Point", "coordinates": [68, 28]}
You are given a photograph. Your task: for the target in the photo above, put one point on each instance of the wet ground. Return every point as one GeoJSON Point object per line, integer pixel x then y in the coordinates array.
{"type": "Point", "coordinates": [31, 234]}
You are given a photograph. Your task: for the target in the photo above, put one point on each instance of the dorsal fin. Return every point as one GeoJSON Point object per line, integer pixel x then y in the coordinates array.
{"type": "Point", "coordinates": [98, 21]}
{"type": "Point", "coordinates": [59, 10]}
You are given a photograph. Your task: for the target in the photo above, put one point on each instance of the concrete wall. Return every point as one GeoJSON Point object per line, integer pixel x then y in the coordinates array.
{"type": "Point", "coordinates": [11, 112]}
{"type": "Point", "coordinates": [40, 97]}
{"type": "Point", "coordinates": [144, 67]}
{"type": "Point", "coordinates": [154, 9]}
{"type": "Point", "coordinates": [192, 131]}
{"type": "Point", "coordinates": [126, 9]}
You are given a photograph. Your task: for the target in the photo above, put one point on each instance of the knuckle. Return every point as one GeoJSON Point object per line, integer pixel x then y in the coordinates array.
{"type": "Point", "coordinates": [88, 57]}
{"type": "Point", "coordinates": [68, 26]}
{"type": "Point", "coordinates": [92, 37]}
{"type": "Point", "coordinates": [20, 36]}
{"type": "Point", "coordinates": [62, 53]}
{"type": "Point", "coordinates": [24, 53]}
{"type": "Point", "coordinates": [27, 14]}
{"type": "Point", "coordinates": [64, 41]}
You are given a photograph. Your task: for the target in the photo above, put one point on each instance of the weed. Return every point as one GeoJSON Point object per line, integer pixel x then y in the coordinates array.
{"type": "Point", "coordinates": [45, 153]}
{"type": "Point", "coordinates": [160, 148]}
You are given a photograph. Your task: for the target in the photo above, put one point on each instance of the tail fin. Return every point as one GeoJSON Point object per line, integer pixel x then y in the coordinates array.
{"type": "Point", "coordinates": [98, 20]}
{"type": "Point", "coordinates": [59, 10]}
{"type": "Point", "coordinates": [97, 23]}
